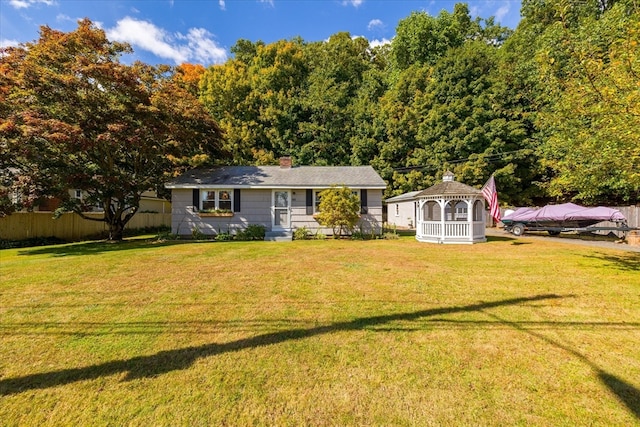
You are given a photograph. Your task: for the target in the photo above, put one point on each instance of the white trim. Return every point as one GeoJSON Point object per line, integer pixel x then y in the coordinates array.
{"type": "Point", "coordinates": [275, 227]}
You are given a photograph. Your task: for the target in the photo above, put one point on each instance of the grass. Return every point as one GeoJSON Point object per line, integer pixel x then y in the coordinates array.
{"type": "Point", "coordinates": [509, 332]}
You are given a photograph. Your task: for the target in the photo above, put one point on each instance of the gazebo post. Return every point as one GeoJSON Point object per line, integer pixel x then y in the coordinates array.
{"type": "Point", "coordinates": [443, 220]}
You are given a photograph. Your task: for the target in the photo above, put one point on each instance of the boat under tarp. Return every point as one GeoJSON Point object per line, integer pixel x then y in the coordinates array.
{"type": "Point", "coordinates": [558, 218]}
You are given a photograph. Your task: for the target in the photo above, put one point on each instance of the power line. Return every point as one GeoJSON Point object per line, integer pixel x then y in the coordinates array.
{"type": "Point", "coordinates": [490, 158]}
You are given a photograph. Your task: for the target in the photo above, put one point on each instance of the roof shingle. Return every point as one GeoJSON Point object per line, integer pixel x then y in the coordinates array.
{"type": "Point", "coordinates": [277, 177]}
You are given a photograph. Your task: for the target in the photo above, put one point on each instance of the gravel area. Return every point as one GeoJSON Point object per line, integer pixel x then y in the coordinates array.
{"type": "Point", "coordinates": [569, 238]}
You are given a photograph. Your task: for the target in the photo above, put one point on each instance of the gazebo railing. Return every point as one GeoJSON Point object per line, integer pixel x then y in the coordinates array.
{"type": "Point", "coordinates": [431, 229]}
{"type": "Point", "coordinates": [456, 229]}
{"type": "Point", "coordinates": [452, 229]}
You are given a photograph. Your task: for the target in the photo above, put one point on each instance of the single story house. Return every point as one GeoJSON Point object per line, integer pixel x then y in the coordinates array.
{"type": "Point", "coordinates": [281, 198]}
{"type": "Point", "coordinates": [402, 210]}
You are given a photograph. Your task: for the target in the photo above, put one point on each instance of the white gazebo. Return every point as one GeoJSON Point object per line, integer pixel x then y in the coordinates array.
{"type": "Point", "coordinates": [450, 212]}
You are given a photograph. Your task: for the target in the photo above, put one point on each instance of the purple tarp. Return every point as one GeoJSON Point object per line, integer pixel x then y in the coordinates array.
{"type": "Point", "coordinates": [564, 212]}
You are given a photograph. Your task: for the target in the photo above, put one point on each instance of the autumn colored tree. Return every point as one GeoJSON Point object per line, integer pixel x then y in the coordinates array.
{"type": "Point", "coordinates": [189, 76]}
{"type": "Point", "coordinates": [75, 117]}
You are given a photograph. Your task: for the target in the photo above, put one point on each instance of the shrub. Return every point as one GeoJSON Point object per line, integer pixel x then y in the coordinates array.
{"type": "Point", "coordinates": [223, 237]}
{"type": "Point", "coordinates": [196, 234]}
{"type": "Point", "coordinates": [339, 209]}
{"type": "Point", "coordinates": [319, 236]}
{"type": "Point", "coordinates": [252, 232]}
{"type": "Point", "coordinates": [166, 235]}
{"type": "Point", "coordinates": [301, 233]}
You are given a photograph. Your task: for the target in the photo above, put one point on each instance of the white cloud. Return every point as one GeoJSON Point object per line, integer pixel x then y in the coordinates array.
{"type": "Point", "coordinates": [23, 4]}
{"type": "Point", "coordinates": [376, 43]}
{"type": "Point", "coordinates": [61, 17]}
{"type": "Point", "coordinates": [222, 4]}
{"type": "Point", "coordinates": [8, 43]}
{"type": "Point", "coordinates": [203, 48]}
{"type": "Point", "coordinates": [354, 3]}
{"type": "Point", "coordinates": [375, 24]}
{"type": "Point", "coordinates": [502, 12]}
{"type": "Point", "coordinates": [197, 45]}
{"type": "Point", "coordinates": [270, 2]}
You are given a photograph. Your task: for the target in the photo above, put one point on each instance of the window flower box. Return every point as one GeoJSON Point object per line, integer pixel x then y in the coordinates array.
{"type": "Point", "coordinates": [215, 214]}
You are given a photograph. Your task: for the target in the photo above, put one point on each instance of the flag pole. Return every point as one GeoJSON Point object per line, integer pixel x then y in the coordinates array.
{"type": "Point", "coordinates": [490, 194]}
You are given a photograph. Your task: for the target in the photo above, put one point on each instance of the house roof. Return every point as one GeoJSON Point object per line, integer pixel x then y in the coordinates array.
{"type": "Point", "coordinates": [403, 197]}
{"type": "Point", "coordinates": [278, 177]}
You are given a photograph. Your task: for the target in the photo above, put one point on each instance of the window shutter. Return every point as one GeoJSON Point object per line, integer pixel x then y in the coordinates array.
{"type": "Point", "coordinates": [236, 200]}
{"type": "Point", "coordinates": [363, 202]}
{"type": "Point", "coordinates": [196, 199]}
{"type": "Point", "coordinates": [309, 202]}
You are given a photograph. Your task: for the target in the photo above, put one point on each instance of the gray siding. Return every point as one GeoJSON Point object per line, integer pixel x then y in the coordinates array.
{"type": "Point", "coordinates": [371, 222]}
{"type": "Point", "coordinates": [255, 208]}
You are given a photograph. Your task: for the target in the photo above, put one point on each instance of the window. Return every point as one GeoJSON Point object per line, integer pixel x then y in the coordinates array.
{"type": "Point", "coordinates": [217, 200]}
{"type": "Point", "coordinates": [77, 194]}
{"type": "Point", "coordinates": [224, 200]}
{"type": "Point", "coordinates": [397, 209]}
{"type": "Point", "coordinates": [316, 198]}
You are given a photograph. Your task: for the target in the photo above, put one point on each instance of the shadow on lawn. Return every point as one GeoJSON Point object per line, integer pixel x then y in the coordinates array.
{"type": "Point", "coordinates": [171, 360]}
{"type": "Point", "coordinates": [626, 393]}
{"type": "Point", "coordinates": [493, 238]}
{"type": "Point", "coordinates": [627, 262]}
{"type": "Point", "coordinates": [97, 248]}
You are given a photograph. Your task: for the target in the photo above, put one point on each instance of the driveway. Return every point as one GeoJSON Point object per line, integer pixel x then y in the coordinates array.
{"type": "Point", "coordinates": [570, 238]}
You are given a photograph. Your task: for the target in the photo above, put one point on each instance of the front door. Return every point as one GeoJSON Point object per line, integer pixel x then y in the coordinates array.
{"type": "Point", "coordinates": [280, 210]}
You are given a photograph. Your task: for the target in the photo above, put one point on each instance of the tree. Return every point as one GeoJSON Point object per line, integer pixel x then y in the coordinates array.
{"type": "Point", "coordinates": [77, 118]}
{"type": "Point", "coordinates": [255, 98]}
{"type": "Point", "coordinates": [339, 209]}
{"type": "Point", "coordinates": [423, 39]}
{"type": "Point", "coordinates": [592, 72]}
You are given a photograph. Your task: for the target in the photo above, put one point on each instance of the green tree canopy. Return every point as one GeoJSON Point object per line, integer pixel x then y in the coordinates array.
{"type": "Point", "coordinates": [592, 119]}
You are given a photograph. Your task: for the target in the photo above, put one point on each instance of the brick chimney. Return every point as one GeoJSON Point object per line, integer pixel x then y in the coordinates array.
{"type": "Point", "coordinates": [285, 162]}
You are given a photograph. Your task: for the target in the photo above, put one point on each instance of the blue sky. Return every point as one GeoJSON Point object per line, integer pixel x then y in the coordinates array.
{"type": "Point", "coordinates": [203, 31]}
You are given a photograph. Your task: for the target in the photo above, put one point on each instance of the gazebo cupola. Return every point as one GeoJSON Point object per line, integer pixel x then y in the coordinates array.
{"type": "Point", "coordinates": [450, 212]}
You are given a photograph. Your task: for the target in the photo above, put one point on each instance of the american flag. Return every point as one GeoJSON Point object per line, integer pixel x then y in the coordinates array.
{"type": "Point", "coordinates": [491, 196]}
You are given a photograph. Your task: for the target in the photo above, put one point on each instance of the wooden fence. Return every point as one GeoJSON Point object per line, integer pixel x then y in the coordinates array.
{"type": "Point", "coordinates": [632, 213]}
{"type": "Point", "coordinates": [70, 226]}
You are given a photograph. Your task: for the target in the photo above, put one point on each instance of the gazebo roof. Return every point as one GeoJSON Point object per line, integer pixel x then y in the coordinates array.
{"type": "Point", "coordinates": [449, 187]}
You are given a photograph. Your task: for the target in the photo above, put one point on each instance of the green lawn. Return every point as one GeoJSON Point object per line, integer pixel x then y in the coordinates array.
{"type": "Point", "coordinates": [385, 332]}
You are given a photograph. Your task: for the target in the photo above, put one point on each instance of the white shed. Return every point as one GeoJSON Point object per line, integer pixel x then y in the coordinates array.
{"type": "Point", "coordinates": [402, 210]}
{"type": "Point", "coordinates": [450, 212]}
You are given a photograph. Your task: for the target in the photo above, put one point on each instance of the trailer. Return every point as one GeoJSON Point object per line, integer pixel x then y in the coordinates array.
{"type": "Point", "coordinates": [567, 217]}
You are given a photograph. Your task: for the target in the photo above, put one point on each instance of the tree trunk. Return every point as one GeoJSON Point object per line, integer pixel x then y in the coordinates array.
{"type": "Point", "coordinates": [113, 217]}
{"type": "Point", "coordinates": [116, 231]}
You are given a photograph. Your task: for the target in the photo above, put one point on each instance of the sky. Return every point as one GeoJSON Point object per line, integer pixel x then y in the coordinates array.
{"type": "Point", "coordinates": [203, 31]}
